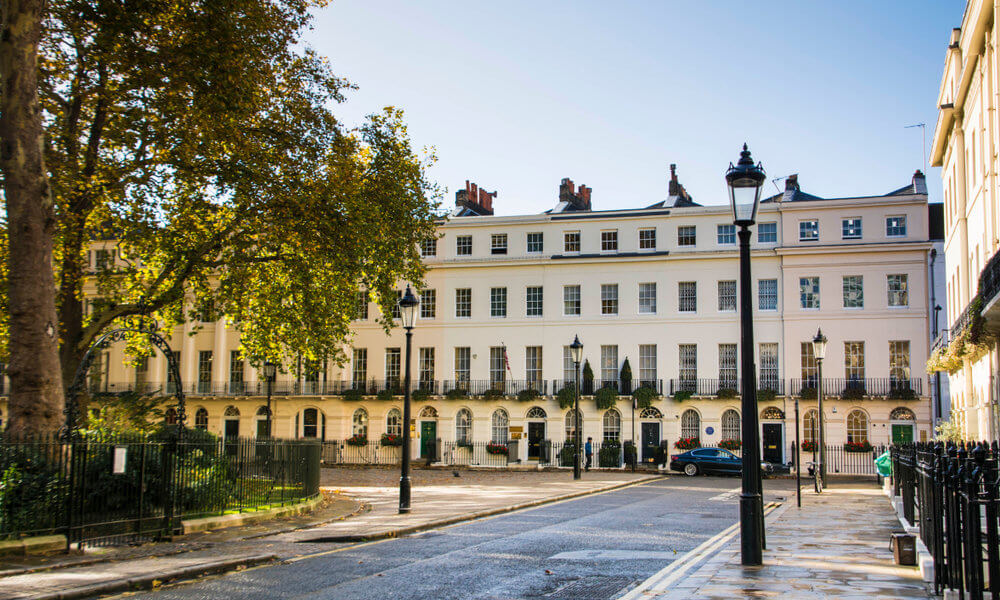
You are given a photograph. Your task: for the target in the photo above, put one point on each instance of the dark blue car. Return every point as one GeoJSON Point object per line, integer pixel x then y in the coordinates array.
{"type": "Point", "coordinates": [711, 460]}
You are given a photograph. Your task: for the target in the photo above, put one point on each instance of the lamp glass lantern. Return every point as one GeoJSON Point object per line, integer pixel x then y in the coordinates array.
{"type": "Point", "coordinates": [270, 370]}
{"type": "Point", "coordinates": [745, 181]}
{"type": "Point", "coordinates": [819, 345]}
{"type": "Point", "coordinates": [576, 349]}
{"type": "Point", "coordinates": [408, 308]}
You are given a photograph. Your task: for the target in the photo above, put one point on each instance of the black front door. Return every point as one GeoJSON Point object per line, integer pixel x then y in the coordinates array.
{"type": "Point", "coordinates": [771, 441]}
{"type": "Point", "coordinates": [536, 433]}
{"type": "Point", "coordinates": [650, 441]}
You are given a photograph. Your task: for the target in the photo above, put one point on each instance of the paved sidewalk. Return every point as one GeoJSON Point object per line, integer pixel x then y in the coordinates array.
{"type": "Point", "coordinates": [438, 499]}
{"type": "Point", "coordinates": [835, 546]}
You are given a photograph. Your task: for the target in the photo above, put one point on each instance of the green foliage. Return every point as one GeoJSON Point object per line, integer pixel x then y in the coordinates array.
{"type": "Point", "coordinates": [420, 395]}
{"type": "Point", "coordinates": [730, 444]}
{"type": "Point", "coordinates": [726, 393]}
{"type": "Point", "coordinates": [492, 395]}
{"type": "Point", "coordinates": [853, 392]}
{"type": "Point", "coordinates": [588, 376]}
{"type": "Point", "coordinates": [566, 455]}
{"type": "Point", "coordinates": [682, 395]}
{"type": "Point", "coordinates": [128, 412]}
{"type": "Point", "coordinates": [902, 393]}
{"type": "Point", "coordinates": [456, 394]}
{"type": "Point", "coordinates": [807, 393]}
{"type": "Point", "coordinates": [766, 395]}
{"type": "Point", "coordinates": [644, 396]}
{"type": "Point", "coordinates": [202, 139]}
{"type": "Point", "coordinates": [626, 376]}
{"type": "Point", "coordinates": [567, 396]}
{"type": "Point", "coordinates": [528, 395]}
{"type": "Point", "coordinates": [609, 455]}
{"type": "Point", "coordinates": [606, 398]}
{"type": "Point", "coordinates": [353, 395]}
{"type": "Point", "coordinates": [385, 395]}
{"type": "Point", "coordinates": [949, 431]}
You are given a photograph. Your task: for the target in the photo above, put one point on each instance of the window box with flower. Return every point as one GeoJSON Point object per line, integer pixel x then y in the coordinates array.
{"type": "Point", "coordinates": [499, 449]}
{"type": "Point", "coordinates": [391, 440]}
{"type": "Point", "coordinates": [357, 440]}
{"type": "Point", "coordinates": [687, 443]}
{"type": "Point", "coordinates": [808, 446]}
{"type": "Point", "coordinates": [858, 446]}
{"type": "Point", "coordinates": [730, 444]}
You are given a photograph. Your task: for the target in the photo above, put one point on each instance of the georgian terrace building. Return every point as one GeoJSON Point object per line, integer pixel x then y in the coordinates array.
{"type": "Point", "coordinates": [656, 286]}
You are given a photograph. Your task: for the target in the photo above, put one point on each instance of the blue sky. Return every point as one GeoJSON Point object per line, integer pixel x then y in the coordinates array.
{"type": "Point", "coordinates": [516, 95]}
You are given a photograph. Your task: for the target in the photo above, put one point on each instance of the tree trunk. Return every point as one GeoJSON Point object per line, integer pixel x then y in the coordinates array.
{"type": "Point", "coordinates": [36, 395]}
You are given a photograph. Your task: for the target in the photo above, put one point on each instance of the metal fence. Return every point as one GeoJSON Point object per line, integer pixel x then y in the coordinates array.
{"type": "Point", "coordinates": [841, 461]}
{"type": "Point", "coordinates": [885, 387]}
{"type": "Point", "coordinates": [106, 489]}
{"type": "Point", "coordinates": [951, 492]}
{"type": "Point", "coordinates": [372, 453]}
{"type": "Point", "coordinates": [607, 455]}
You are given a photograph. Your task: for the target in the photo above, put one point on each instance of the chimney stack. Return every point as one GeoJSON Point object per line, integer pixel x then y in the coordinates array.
{"type": "Point", "coordinates": [792, 182]}
{"type": "Point", "coordinates": [578, 199]}
{"type": "Point", "coordinates": [919, 182]}
{"type": "Point", "coordinates": [675, 190]}
{"type": "Point", "coordinates": [477, 200]}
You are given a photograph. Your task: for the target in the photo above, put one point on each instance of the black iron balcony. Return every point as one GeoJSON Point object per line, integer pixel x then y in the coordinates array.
{"type": "Point", "coordinates": [589, 388]}
{"type": "Point", "coordinates": [856, 389]}
{"type": "Point", "coordinates": [488, 387]}
{"type": "Point", "coordinates": [722, 388]}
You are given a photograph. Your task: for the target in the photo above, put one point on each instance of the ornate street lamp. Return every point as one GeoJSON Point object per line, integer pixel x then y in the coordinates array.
{"type": "Point", "coordinates": [270, 373]}
{"type": "Point", "coordinates": [819, 351]}
{"type": "Point", "coordinates": [408, 311]}
{"type": "Point", "coordinates": [576, 350]}
{"type": "Point", "coordinates": [745, 180]}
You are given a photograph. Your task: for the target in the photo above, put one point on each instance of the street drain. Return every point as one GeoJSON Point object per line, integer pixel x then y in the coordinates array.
{"type": "Point", "coordinates": [591, 588]}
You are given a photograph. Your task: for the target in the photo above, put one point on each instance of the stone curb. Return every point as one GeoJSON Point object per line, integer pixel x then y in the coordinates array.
{"type": "Point", "coordinates": [147, 581]}
{"type": "Point", "coordinates": [401, 531]}
{"type": "Point", "coordinates": [248, 518]}
{"type": "Point", "coordinates": [33, 545]}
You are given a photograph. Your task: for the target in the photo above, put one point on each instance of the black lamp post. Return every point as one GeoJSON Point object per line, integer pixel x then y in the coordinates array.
{"type": "Point", "coordinates": [408, 311]}
{"type": "Point", "coordinates": [798, 458]}
{"type": "Point", "coordinates": [576, 349]}
{"type": "Point", "coordinates": [819, 351]}
{"type": "Point", "coordinates": [745, 180]}
{"type": "Point", "coordinates": [270, 372]}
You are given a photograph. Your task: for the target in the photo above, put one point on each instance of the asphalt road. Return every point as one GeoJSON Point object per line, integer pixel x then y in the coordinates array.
{"type": "Point", "coordinates": [592, 548]}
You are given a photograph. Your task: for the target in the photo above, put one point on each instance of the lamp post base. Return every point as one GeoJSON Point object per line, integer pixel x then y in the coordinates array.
{"type": "Point", "coordinates": [751, 517]}
{"type": "Point", "coordinates": [404, 495]}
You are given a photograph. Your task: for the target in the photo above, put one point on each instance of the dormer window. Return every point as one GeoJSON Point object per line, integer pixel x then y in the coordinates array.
{"type": "Point", "coordinates": [498, 243]}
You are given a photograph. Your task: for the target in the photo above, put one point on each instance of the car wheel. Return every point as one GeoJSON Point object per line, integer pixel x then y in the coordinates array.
{"type": "Point", "coordinates": [690, 469]}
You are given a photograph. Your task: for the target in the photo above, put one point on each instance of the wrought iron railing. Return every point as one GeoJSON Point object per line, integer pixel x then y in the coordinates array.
{"type": "Point", "coordinates": [591, 387]}
{"type": "Point", "coordinates": [886, 387]}
{"type": "Point", "coordinates": [715, 388]}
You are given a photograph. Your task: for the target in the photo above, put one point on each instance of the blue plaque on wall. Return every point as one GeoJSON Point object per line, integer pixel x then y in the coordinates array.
{"type": "Point", "coordinates": [709, 430]}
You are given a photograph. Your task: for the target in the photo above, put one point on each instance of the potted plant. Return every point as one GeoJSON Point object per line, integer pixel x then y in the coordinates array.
{"type": "Point", "coordinates": [808, 392]}
{"type": "Point", "coordinates": [566, 396]}
{"type": "Point", "coordinates": [566, 454]}
{"type": "Point", "coordinates": [682, 395]}
{"type": "Point", "coordinates": [687, 443]}
{"type": "Point", "coordinates": [492, 394]}
{"type": "Point", "coordinates": [498, 449]}
{"type": "Point", "coordinates": [606, 398]}
{"type": "Point", "coordinates": [726, 393]}
{"type": "Point", "coordinates": [357, 440]}
{"type": "Point", "coordinates": [353, 395]}
{"type": "Point", "coordinates": [626, 377]}
{"type": "Point", "coordinates": [808, 446]}
{"type": "Point", "coordinates": [766, 395]}
{"type": "Point", "coordinates": [858, 446]}
{"type": "Point", "coordinates": [853, 391]}
{"type": "Point", "coordinates": [902, 393]}
{"type": "Point", "coordinates": [587, 386]}
{"type": "Point", "coordinates": [384, 395]}
{"type": "Point", "coordinates": [528, 395]}
{"type": "Point", "coordinates": [731, 444]}
{"type": "Point", "coordinates": [644, 396]}
{"type": "Point", "coordinates": [456, 394]}
{"type": "Point", "coordinates": [421, 395]}
{"type": "Point", "coordinates": [609, 454]}
{"type": "Point", "coordinates": [391, 440]}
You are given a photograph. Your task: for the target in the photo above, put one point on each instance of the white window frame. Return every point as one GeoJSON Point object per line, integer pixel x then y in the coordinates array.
{"type": "Point", "coordinates": [572, 242]}
{"type": "Point", "coordinates": [498, 243]}
{"type": "Point", "coordinates": [849, 301]}
{"type": "Point", "coordinates": [609, 240]}
{"type": "Point", "coordinates": [463, 245]}
{"type": "Point", "coordinates": [725, 234]}
{"type": "Point", "coordinates": [727, 300]}
{"type": "Point", "coordinates": [847, 228]}
{"type": "Point", "coordinates": [463, 303]}
{"type": "Point", "coordinates": [897, 228]}
{"type": "Point", "coordinates": [530, 242]}
{"type": "Point", "coordinates": [687, 295]}
{"type": "Point", "coordinates": [772, 233]}
{"type": "Point", "coordinates": [647, 238]}
{"type": "Point", "coordinates": [809, 230]}
{"type": "Point", "coordinates": [571, 295]}
{"type": "Point", "coordinates": [767, 299]}
{"type": "Point", "coordinates": [609, 299]}
{"type": "Point", "coordinates": [498, 303]}
{"type": "Point", "coordinates": [647, 298]}
{"type": "Point", "coordinates": [534, 301]}
{"type": "Point", "coordinates": [813, 282]}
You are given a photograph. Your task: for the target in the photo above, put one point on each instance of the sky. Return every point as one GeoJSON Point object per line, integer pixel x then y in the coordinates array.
{"type": "Point", "coordinates": [516, 95]}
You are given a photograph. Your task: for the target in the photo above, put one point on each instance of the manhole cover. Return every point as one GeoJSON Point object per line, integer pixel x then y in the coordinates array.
{"type": "Point", "coordinates": [591, 588]}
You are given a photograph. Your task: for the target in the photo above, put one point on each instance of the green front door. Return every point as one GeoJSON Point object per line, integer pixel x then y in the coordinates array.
{"type": "Point", "coordinates": [902, 434]}
{"type": "Point", "coordinates": [428, 436]}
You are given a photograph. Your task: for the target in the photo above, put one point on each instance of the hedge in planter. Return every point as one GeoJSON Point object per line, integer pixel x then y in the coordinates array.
{"type": "Point", "coordinates": [566, 455]}
{"type": "Point", "coordinates": [606, 398]}
{"type": "Point", "coordinates": [609, 454]}
{"type": "Point", "coordinates": [683, 395]}
{"type": "Point", "coordinates": [854, 392]}
{"type": "Point", "coordinates": [726, 393]}
{"type": "Point", "coordinates": [353, 395]}
{"type": "Point", "coordinates": [456, 394]}
{"type": "Point", "coordinates": [385, 395]}
{"type": "Point", "coordinates": [492, 394]}
{"type": "Point", "coordinates": [420, 395]}
{"type": "Point", "coordinates": [902, 393]}
{"type": "Point", "coordinates": [566, 397]}
{"type": "Point", "coordinates": [528, 395]}
{"type": "Point", "coordinates": [808, 393]}
{"type": "Point", "coordinates": [766, 395]}
{"type": "Point", "coordinates": [644, 397]}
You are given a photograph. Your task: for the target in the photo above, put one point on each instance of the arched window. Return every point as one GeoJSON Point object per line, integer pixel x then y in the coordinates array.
{"type": "Point", "coordinates": [360, 421]}
{"type": "Point", "coordinates": [650, 413]}
{"type": "Point", "coordinates": [730, 425]}
{"type": "Point", "coordinates": [310, 423]}
{"type": "Point", "coordinates": [232, 411]}
{"type": "Point", "coordinates": [690, 424]}
{"type": "Point", "coordinates": [463, 425]}
{"type": "Point", "coordinates": [394, 422]}
{"type": "Point", "coordinates": [571, 425]}
{"type": "Point", "coordinates": [902, 414]}
{"type": "Point", "coordinates": [612, 425]}
{"type": "Point", "coordinates": [201, 419]}
{"type": "Point", "coordinates": [171, 416]}
{"type": "Point", "coordinates": [500, 426]}
{"type": "Point", "coordinates": [262, 411]}
{"type": "Point", "coordinates": [810, 426]}
{"type": "Point", "coordinates": [428, 412]}
{"type": "Point", "coordinates": [857, 426]}
{"type": "Point", "coordinates": [536, 412]}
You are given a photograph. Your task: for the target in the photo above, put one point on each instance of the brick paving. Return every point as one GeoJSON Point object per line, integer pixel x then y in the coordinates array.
{"type": "Point", "coordinates": [835, 546]}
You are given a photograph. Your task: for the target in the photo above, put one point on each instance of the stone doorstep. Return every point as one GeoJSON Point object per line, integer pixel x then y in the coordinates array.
{"type": "Point", "coordinates": [53, 543]}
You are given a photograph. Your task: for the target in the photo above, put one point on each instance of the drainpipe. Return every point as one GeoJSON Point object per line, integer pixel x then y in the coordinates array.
{"type": "Point", "coordinates": [936, 409]}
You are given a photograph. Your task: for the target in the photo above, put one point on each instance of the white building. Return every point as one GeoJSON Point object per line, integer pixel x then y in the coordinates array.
{"type": "Point", "coordinates": [505, 296]}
